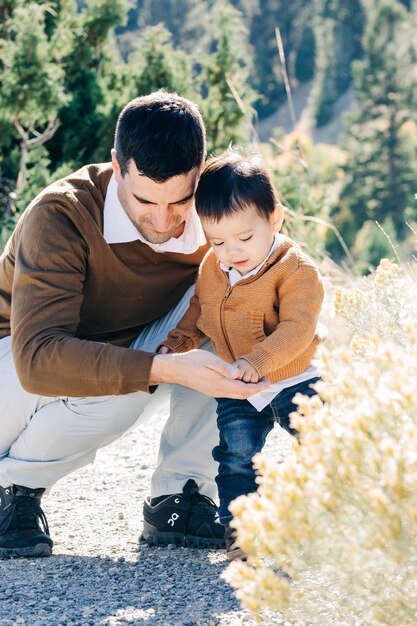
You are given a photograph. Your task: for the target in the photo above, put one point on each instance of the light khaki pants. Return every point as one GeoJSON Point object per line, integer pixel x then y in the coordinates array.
{"type": "Point", "coordinates": [43, 439]}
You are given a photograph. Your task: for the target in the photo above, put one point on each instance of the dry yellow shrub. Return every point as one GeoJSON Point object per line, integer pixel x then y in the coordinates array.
{"type": "Point", "coordinates": [339, 515]}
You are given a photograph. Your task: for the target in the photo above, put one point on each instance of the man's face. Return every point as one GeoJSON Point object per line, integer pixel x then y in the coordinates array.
{"type": "Point", "coordinates": [157, 210]}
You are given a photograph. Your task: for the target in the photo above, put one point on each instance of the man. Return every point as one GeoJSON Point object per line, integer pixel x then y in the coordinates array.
{"type": "Point", "coordinates": [99, 268]}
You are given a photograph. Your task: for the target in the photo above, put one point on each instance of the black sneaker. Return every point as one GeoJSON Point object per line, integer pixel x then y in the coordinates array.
{"type": "Point", "coordinates": [234, 552]}
{"type": "Point", "coordinates": [185, 519]}
{"type": "Point", "coordinates": [20, 533]}
{"type": "Point", "coordinates": [232, 549]}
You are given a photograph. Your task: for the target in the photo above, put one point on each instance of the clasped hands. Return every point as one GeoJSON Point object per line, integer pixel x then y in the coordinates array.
{"type": "Point", "coordinates": [246, 372]}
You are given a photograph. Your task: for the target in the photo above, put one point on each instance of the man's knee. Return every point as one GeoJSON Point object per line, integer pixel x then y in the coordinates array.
{"type": "Point", "coordinates": [108, 416]}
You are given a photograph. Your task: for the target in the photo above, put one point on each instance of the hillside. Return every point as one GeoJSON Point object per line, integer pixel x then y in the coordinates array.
{"type": "Point", "coordinates": [329, 133]}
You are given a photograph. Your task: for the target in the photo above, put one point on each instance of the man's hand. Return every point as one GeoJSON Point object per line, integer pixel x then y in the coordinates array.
{"type": "Point", "coordinates": [247, 373]}
{"type": "Point", "coordinates": [204, 372]}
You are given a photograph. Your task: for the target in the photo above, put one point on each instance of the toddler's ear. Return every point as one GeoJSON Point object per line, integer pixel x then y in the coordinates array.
{"type": "Point", "coordinates": [278, 217]}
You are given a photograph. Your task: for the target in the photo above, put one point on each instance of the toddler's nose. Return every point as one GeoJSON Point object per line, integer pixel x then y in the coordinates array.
{"type": "Point", "coordinates": [234, 250]}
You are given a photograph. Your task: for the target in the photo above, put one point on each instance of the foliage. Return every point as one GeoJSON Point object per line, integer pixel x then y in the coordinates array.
{"type": "Point", "coordinates": [95, 82]}
{"type": "Point", "coordinates": [157, 65]}
{"type": "Point", "coordinates": [380, 173]}
{"type": "Point", "coordinates": [338, 30]}
{"type": "Point", "coordinates": [339, 515]}
{"type": "Point", "coordinates": [31, 78]}
{"type": "Point", "coordinates": [32, 89]}
{"type": "Point", "coordinates": [32, 93]}
{"type": "Point", "coordinates": [226, 104]}
{"type": "Point", "coordinates": [178, 17]}
{"type": "Point", "coordinates": [306, 179]}
{"type": "Point", "coordinates": [267, 79]}
{"type": "Point", "coordinates": [191, 29]}
{"type": "Point", "coordinates": [63, 82]}
{"type": "Point", "coordinates": [61, 89]}
{"type": "Point", "coordinates": [373, 242]}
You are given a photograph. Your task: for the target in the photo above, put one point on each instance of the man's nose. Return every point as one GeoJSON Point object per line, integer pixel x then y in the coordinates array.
{"type": "Point", "coordinates": [161, 219]}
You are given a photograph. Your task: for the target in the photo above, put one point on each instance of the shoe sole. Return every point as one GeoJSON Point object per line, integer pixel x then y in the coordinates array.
{"type": "Point", "coordinates": [156, 539]}
{"type": "Point", "coordinates": [41, 549]}
{"type": "Point", "coordinates": [235, 553]}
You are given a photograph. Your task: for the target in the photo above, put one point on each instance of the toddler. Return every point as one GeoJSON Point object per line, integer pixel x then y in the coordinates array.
{"type": "Point", "coordinates": [258, 297]}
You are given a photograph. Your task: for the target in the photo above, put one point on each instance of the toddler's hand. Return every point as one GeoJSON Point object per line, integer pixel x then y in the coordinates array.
{"type": "Point", "coordinates": [164, 350]}
{"type": "Point", "coordinates": [247, 373]}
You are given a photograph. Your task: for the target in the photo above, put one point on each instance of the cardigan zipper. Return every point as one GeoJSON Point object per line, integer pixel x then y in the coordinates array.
{"type": "Point", "coordinates": [225, 297]}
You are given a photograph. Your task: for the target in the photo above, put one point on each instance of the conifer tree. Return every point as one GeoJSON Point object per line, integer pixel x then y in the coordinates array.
{"type": "Point", "coordinates": [338, 32]}
{"type": "Point", "coordinates": [157, 65]}
{"type": "Point", "coordinates": [96, 83]}
{"type": "Point", "coordinates": [32, 90]}
{"type": "Point", "coordinates": [174, 15]}
{"type": "Point", "coordinates": [291, 18]}
{"type": "Point", "coordinates": [381, 171]}
{"type": "Point", "coordinates": [227, 98]}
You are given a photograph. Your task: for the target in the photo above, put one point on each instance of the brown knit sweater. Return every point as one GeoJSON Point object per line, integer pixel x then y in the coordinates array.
{"type": "Point", "coordinates": [73, 303]}
{"type": "Point", "coordinates": [269, 319]}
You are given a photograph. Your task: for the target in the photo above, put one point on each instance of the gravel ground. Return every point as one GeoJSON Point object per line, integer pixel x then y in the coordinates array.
{"type": "Point", "coordinates": [98, 573]}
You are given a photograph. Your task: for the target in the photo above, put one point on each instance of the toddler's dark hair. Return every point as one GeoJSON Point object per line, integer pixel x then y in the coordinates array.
{"type": "Point", "coordinates": [232, 182]}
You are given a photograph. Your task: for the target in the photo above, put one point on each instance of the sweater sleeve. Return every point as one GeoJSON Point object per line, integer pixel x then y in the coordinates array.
{"type": "Point", "coordinates": [187, 336]}
{"type": "Point", "coordinates": [50, 268]}
{"type": "Point", "coordinates": [300, 298]}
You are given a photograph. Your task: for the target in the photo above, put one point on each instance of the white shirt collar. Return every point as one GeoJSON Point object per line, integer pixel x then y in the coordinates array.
{"type": "Point", "coordinates": [235, 275]}
{"type": "Point", "coordinates": [117, 227]}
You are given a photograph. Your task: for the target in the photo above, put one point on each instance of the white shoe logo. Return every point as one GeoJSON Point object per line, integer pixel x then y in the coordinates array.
{"type": "Point", "coordinates": [173, 519]}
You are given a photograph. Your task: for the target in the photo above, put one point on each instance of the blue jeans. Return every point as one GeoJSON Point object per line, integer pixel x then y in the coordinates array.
{"type": "Point", "coordinates": [243, 431]}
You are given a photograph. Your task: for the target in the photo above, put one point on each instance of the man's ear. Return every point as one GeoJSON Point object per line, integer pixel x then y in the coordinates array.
{"type": "Point", "coordinates": [278, 217]}
{"type": "Point", "coordinates": [116, 167]}
{"type": "Point", "coordinates": [200, 171]}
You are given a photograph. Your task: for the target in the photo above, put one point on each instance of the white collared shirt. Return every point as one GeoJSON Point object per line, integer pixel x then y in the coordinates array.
{"type": "Point", "coordinates": [117, 227]}
{"type": "Point", "coordinates": [261, 399]}
{"type": "Point", "coordinates": [235, 276]}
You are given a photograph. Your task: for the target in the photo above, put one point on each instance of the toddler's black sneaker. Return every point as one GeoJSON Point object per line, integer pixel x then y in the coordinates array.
{"type": "Point", "coordinates": [232, 549]}
{"type": "Point", "coordinates": [20, 533]}
{"type": "Point", "coordinates": [187, 519]}
{"type": "Point", "coordinates": [234, 552]}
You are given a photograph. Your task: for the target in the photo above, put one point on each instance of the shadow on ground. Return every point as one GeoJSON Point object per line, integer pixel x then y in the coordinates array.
{"type": "Point", "coordinates": [178, 587]}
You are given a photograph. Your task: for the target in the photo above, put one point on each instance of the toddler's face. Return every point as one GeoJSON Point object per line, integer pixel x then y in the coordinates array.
{"type": "Point", "coordinates": [241, 240]}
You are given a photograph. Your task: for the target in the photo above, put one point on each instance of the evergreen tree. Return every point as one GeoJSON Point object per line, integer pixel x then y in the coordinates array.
{"type": "Point", "coordinates": [157, 65]}
{"type": "Point", "coordinates": [227, 99]}
{"type": "Point", "coordinates": [302, 57]}
{"type": "Point", "coordinates": [178, 17]}
{"type": "Point", "coordinates": [96, 83]}
{"type": "Point", "coordinates": [292, 20]}
{"type": "Point", "coordinates": [32, 90]}
{"type": "Point", "coordinates": [338, 33]}
{"type": "Point", "coordinates": [381, 172]}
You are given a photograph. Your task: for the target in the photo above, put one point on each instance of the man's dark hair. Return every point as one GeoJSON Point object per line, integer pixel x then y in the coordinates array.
{"type": "Point", "coordinates": [163, 133]}
{"type": "Point", "coordinates": [232, 182]}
